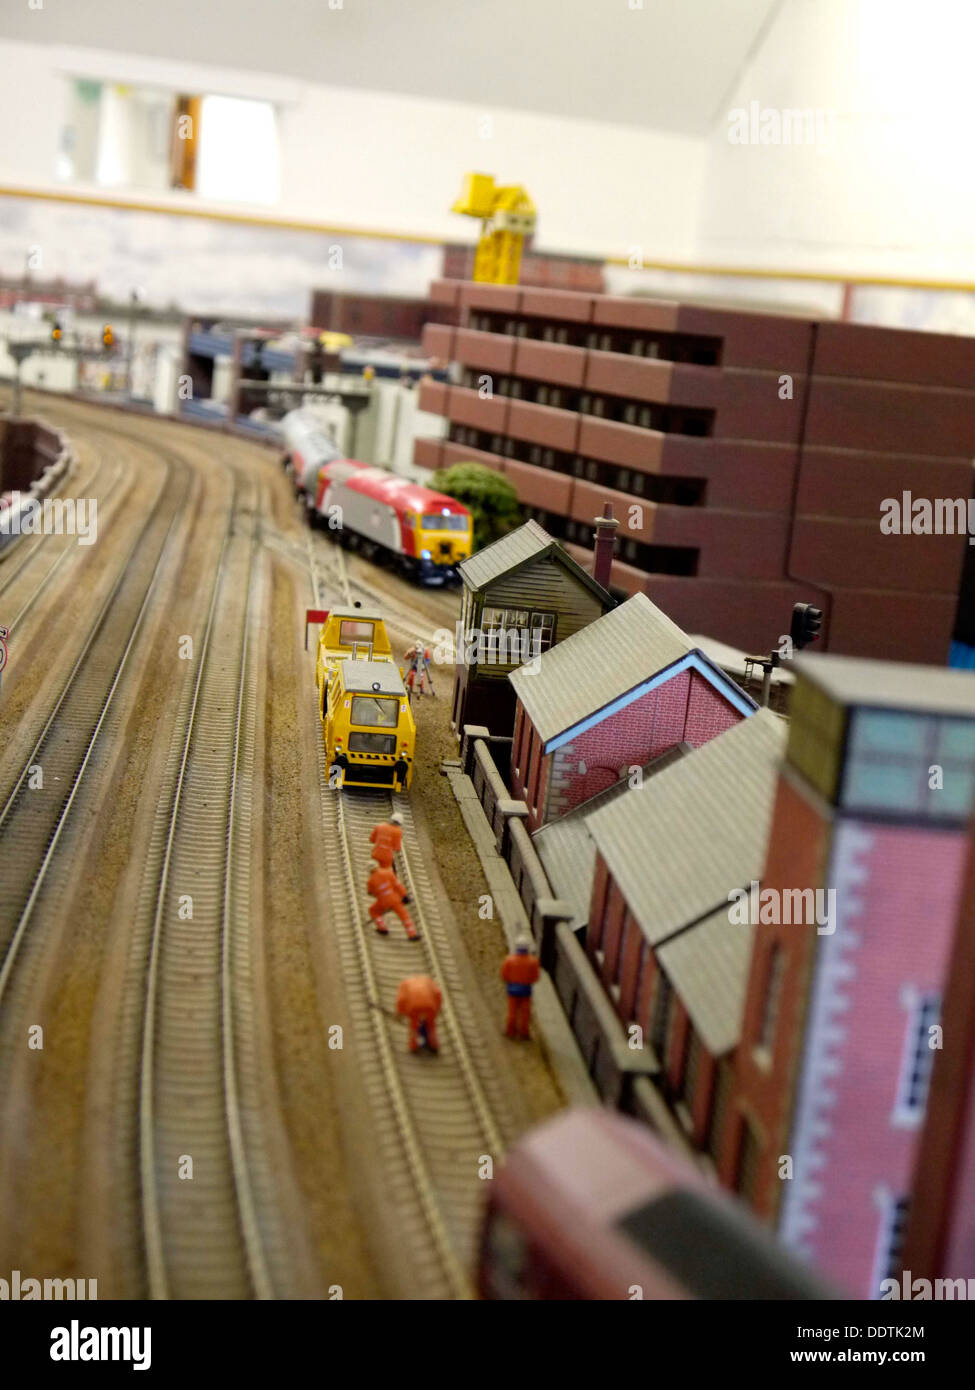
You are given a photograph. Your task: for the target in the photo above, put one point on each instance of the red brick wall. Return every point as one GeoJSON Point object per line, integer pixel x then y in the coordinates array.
{"type": "Point", "coordinates": [684, 708]}
{"type": "Point", "coordinates": [763, 1089]}
{"type": "Point", "coordinates": [701, 1101]}
{"type": "Point", "coordinates": [708, 713]}
{"type": "Point", "coordinates": [677, 1045]}
{"type": "Point", "coordinates": [597, 904]}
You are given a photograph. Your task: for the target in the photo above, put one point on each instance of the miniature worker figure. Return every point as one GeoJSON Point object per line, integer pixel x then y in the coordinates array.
{"type": "Point", "coordinates": [387, 840]}
{"type": "Point", "coordinates": [520, 971]}
{"type": "Point", "coordinates": [419, 998]}
{"type": "Point", "coordinates": [418, 659]}
{"type": "Point", "coordinates": [389, 893]}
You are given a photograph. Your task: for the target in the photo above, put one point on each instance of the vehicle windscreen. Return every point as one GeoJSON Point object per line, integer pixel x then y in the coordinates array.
{"type": "Point", "coordinates": [449, 521]}
{"type": "Point", "coordinates": [375, 712]}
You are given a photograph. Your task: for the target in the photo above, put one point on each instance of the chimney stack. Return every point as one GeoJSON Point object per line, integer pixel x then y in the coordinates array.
{"type": "Point", "coordinates": [605, 545]}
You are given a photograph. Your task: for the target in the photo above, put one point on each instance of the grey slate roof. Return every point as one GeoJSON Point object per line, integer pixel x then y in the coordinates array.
{"type": "Point", "coordinates": [708, 967]}
{"type": "Point", "coordinates": [568, 857]}
{"type": "Point", "coordinates": [518, 548]}
{"type": "Point", "coordinates": [598, 664]}
{"type": "Point", "coordinates": [677, 845]}
{"type": "Point", "coordinates": [567, 850]}
{"type": "Point", "coordinates": [854, 680]}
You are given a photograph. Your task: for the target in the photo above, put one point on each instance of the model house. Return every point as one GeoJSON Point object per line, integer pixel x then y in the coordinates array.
{"type": "Point", "coordinates": [522, 595]}
{"type": "Point", "coordinates": [609, 700]}
{"type": "Point", "coordinates": [672, 962]}
{"type": "Point", "coordinates": [873, 807]}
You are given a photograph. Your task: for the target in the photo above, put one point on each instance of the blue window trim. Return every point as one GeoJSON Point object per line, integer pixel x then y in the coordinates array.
{"type": "Point", "coordinates": [694, 661]}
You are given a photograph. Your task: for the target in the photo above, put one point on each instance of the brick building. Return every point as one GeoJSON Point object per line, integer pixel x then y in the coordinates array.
{"type": "Point", "coordinates": [616, 695]}
{"type": "Point", "coordinates": [747, 455]}
{"type": "Point", "coordinates": [940, 1242]}
{"type": "Point", "coordinates": [873, 802]}
{"type": "Point", "coordinates": [372, 315]}
{"type": "Point", "coordinates": [659, 946]}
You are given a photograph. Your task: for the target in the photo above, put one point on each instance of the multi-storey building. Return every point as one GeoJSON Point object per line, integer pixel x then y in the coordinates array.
{"type": "Point", "coordinates": [748, 456]}
{"type": "Point", "coordinates": [872, 809]}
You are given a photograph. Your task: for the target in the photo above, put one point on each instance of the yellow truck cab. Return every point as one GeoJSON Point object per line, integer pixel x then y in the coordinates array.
{"type": "Point", "coordinates": [367, 724]}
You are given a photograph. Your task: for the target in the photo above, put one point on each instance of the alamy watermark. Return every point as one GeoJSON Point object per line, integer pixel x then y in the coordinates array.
{"type": "Point", "coordinates": [18, 1289]}
{"type": "Point", "coordinates": [810, 907]}
{"type": "Point", "coordinates": [498, 646]}
{"type": "Point", "coordinates": [908, 515]}
{"type": "Point", "coordinates": [754, 124]}
{"type": "Point", "coordinates": [54, 516]}
{"type": "Point", "coordinates": [940, 1290]}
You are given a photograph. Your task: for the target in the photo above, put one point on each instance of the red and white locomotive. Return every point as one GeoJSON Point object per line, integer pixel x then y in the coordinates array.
{"type": "Point", "coordinates": [428, 533]}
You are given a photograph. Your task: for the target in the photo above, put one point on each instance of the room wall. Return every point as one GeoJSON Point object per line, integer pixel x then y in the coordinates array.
{"type": "Point", "coordinates": [392, 163]}
{"type": "Point", "coordinates": [883, 189]}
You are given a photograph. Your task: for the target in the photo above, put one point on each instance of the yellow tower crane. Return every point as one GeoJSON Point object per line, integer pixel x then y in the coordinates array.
{"type": "Point", "coordinates": [507, 216]}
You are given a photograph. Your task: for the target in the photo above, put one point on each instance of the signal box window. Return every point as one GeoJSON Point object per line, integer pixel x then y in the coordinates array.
{"type": "Point", "coordinates": [375, 713]}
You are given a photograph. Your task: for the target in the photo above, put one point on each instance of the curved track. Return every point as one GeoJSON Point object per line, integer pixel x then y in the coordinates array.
{"type": "Point", "coordinates": [32, 826]}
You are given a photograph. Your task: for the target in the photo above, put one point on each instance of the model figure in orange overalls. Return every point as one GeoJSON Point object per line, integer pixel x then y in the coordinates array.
{"type": "Point", "coordinates": [388, 893]}
{"type": "Point", "coordinates": [387, 840]}
{"type": "Point", "coordinates": [520, 971]}
{"type": "Point", "coordinates": [419, 999]}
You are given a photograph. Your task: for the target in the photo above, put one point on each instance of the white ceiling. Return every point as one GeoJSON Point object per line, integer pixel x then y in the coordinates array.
{"type": "Point", "coordinates": [667, 64]}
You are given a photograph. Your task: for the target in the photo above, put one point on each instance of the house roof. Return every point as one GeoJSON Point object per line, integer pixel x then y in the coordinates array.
{"type": "Point", "coordinates": [708, 967]}
{"type": "Point", "coordinates": [519, 548]}
{"type": "Point", "coordinates": [567, 850]}
{"type": "Point", "coordinates": [615, 656]}
{"type": "Point", "coordinates": [677, 845]}
{"type": "Point", "coordinates": [853, 680]}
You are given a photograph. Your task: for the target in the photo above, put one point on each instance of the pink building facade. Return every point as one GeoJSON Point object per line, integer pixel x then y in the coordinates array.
{"type": "Point", "coordinates": [842, 1016]}
{"type": "Point", "coordinates": [665, 693]}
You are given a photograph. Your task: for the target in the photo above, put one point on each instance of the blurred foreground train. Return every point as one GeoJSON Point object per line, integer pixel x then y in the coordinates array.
{"type": "Point", "coordinates": [591, 1205]}
{"type": "Point", "coordinates": [426, 533]}
{"type": "Point", "coordinates": [368, 727]}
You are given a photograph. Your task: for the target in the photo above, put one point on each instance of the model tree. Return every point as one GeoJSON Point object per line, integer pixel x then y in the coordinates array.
{"type": "Point", "coordinates": [489, 497]}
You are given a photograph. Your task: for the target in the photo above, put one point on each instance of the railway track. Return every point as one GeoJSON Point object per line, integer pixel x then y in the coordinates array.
{"type": "Point", "coordinates": [438, 1118]}
{"type": "Point", "coordinates": [418, 626]}
{"type": "Point", "coordinates": [199, 1098]}
{"type": "Point", "coordinates": [16, 559]}
{"type": "Point", "coordinates": [35, 815]}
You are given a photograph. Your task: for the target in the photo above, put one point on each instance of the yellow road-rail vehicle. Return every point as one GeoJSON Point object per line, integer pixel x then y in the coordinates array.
{"type": "Point", "coordinates": [368, 727]}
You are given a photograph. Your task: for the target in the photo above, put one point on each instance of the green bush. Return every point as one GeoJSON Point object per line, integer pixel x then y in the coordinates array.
{"type": "Point", "coordinates": [489, 497]}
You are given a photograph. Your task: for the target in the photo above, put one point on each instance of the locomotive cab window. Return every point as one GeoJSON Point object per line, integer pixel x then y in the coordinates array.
{"type": "Point", "coordinates": [375, 713]}
{"type": "Point", "coordinates": [351, 631]}
{"type": "Point", "coordinates": [444, 521]}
